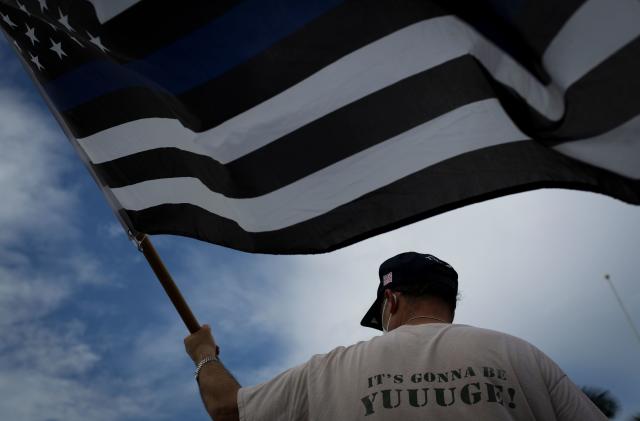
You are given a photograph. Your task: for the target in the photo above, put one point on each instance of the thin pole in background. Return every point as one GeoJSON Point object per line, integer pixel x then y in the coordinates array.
{"type": "Point", "coordinates": [170, 287]}
{"type": "Point", "coordinates": [624, 309]}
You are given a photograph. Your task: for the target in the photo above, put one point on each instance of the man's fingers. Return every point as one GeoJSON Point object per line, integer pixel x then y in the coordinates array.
{"type": "Point", "coordinates": [203, 332]}
{"type": "Point", "coordinates": [200, 342]}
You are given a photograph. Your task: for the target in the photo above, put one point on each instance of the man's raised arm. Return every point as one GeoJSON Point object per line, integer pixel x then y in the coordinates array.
{"type": "Point", "coordinates": [218, 388]}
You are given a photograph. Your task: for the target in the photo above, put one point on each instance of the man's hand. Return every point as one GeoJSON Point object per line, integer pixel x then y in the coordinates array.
{"type": "Point", "coordinates": [201, 344]}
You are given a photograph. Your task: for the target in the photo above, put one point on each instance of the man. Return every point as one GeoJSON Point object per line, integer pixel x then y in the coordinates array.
{"type": "Point", "coordinates": [422, 368]}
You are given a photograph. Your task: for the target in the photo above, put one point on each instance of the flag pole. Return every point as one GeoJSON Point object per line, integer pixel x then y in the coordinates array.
{"type": "Point", "coordinates": [170, 287]}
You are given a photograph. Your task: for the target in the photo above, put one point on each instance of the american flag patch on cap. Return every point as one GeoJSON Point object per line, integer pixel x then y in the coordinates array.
{"type": "Point", "coordinates": [386, 279]}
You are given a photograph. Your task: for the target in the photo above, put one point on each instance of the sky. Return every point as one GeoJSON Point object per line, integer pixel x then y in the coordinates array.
{"type": "Point", "coordinates": [86, 332]}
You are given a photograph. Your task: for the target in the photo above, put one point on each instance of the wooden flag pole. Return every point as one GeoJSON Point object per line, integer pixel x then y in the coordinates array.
{"type": "Point", "coordinates": [170, 287]}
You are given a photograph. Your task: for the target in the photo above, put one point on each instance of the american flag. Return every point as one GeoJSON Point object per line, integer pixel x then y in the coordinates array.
{"type": "Point", "coordinates": [285, 126]}
{"type": "Point", "coordinates": [387, 279]}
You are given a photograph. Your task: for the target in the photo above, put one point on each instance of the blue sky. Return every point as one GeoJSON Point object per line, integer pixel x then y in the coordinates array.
{"type": "Point", "coordinates": [86, 332]}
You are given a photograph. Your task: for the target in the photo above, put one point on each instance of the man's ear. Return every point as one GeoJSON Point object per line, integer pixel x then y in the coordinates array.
{"type": "Point", "coordinates": [392, 301]}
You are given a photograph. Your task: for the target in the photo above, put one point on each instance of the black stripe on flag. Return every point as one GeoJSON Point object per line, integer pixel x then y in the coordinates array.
{"type": "Point", "coordinates": [469, 178]}
{"type": "Point", "coordinates": [538, 21]}
{"type": "Point", "coordinates": [164, 22]}
{"type": "Point", "coordinates": [126, 105]}
{"type": "Point", "coordinates": [603, 99]}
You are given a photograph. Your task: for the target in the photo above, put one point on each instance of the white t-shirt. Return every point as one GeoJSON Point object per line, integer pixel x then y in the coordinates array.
{"type": "Point", "coordinates": [423, 372]}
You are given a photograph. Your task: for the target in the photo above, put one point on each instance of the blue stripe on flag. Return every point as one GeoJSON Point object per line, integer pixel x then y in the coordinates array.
{"type": "Point", "coordinates": [208, 52]}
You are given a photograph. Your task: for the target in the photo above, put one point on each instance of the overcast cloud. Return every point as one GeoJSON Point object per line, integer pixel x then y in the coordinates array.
{"type": "Point", "coordinates": [48, 364]}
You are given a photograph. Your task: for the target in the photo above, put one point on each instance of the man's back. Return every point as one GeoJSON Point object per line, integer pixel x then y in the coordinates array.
{"type": "Point", "coordinates": [417, 372]}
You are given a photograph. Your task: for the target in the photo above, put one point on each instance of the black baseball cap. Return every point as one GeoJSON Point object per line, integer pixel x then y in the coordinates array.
{"type": "Point", "coordinates": [408, 269]}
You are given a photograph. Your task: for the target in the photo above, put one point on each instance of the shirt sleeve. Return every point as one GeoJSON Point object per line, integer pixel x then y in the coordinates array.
{"type": "Point", "coordinates": [568, 401]}
{"type": "Point", "coordinates": [285, 398]}
{"type": "Point", "coordinates": [571, 404]}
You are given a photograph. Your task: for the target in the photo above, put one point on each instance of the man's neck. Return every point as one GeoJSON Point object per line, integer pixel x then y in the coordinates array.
{"type": "Point", "coordinates": [422, 320]}
{"type": "Point", "coordinates": [424, 313]}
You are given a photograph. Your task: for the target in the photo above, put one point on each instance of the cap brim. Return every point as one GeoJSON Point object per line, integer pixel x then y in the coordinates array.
{"type": "Point", "coordinates": [372, 318]}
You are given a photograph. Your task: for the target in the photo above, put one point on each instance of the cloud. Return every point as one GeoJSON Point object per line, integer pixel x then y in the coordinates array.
{"type": "Point", "coordinates": [48, 371]}
{"type": "Point", "coordinates": [41, 397]}
{"type": "Point", "coordinates": [25, 297]}
{"type": "Point", "coordinates": [86, 269]}
{"type": "Point", "coordinates": [35, 207]}
{"type": "Point", "coordinates": [50, 365]}
{"type": "Point", "coordinates": [112, 230]}
{"type": "Point", "coordinates": [32, 168]}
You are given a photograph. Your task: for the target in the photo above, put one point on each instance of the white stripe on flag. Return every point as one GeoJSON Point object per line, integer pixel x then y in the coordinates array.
{"type": "Point", "coordinates": [465, 129]}
{"type": "Point", "coordinates": [109, 9]}
{"type": "Point", "coordinates": [617, 150]}
{"type": "Point", "coordinates": [596, 30]}
{"type": "Point", "coordinates": [404, 53]}
{"type": "Point", "coordinates": [142, 135]}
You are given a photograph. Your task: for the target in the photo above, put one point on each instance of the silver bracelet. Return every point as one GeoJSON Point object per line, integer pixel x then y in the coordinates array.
{"type": "Point", "coordinates": [206, 360]}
